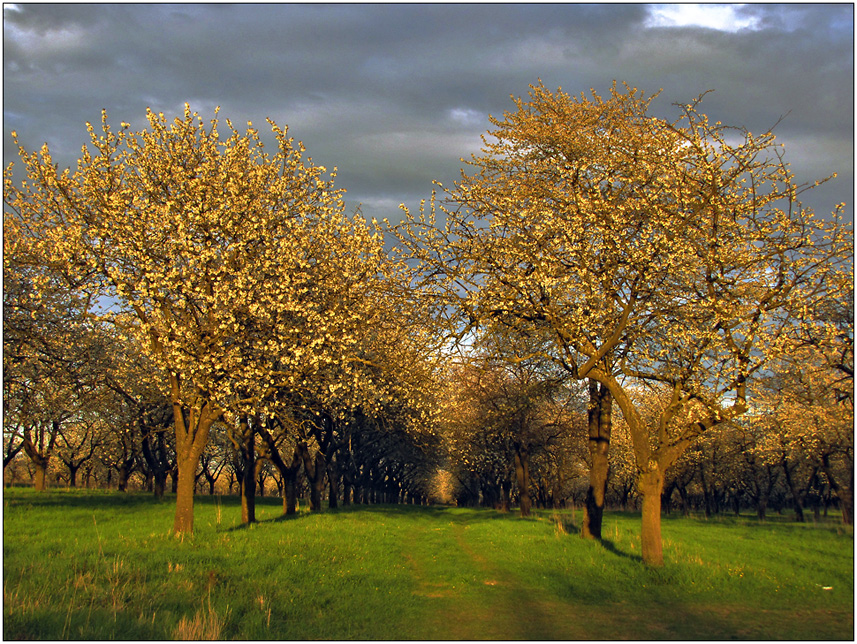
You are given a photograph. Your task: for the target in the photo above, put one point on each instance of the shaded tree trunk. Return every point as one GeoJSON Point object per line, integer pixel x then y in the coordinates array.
{"type": "Point", "coordinates": [156, 460]}
{"type": "Point", "coordinates": [174, 478]}
{"type": "Point", "coordinates": [796, 501]}
{"type": "Point", "coordinates": [243, 439]}
{"type": "Point", "coordinates": [289, 473]}
{"type": "Point", "coordinates": [347, 485]}
{"type": "Point", "coordinates": [505, 490]}
{"type": "Point", "coordinates": [600, 421]}
{"type": "Point", "coordinates": [315, 469]}
{"type": "Point", "coordinates": [123, 472]}
{"type": "Point", "coordinates": [72, 473]}
{"type": "Point", "coordinates": [522, 470]}
{"type": "Point", "coordinates": [845, 496]}
{"type": "Point", "coordinates": [333, 480]}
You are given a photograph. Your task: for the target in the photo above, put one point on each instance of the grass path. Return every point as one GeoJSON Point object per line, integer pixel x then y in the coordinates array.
{"type": "Point", "coordinates": [494, 604]}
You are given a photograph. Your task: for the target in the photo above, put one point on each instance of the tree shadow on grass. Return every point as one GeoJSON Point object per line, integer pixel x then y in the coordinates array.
{"type": "Point", "coordinates": [609, 546]}
{"type": "Point", "coordinates": [282, 518]}
{"type": "Point", "coordinates": [81, 498]}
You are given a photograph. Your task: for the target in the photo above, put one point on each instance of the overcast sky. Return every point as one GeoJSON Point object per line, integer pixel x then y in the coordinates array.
{"type": "Point", "coordinates": [394, 95]}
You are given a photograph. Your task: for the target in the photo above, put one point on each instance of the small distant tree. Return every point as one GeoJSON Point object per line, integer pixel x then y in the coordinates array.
{"type": "Point", "coordinates": [52, 352]}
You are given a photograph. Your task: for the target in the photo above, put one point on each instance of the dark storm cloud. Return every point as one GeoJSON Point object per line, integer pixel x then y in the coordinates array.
{"type": "Point", "coordinates": [394, 94]}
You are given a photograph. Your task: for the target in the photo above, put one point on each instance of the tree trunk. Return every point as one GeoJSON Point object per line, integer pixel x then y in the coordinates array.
{"type": "Point", "coordinates": [685, 502]}
{"type": "Point", "coordinates": [244, 441]}
{"type": "Point", "coordinates": [846, 498]}
{"type": "Point", "coordinates": [315, 470]}
{"type": "Point", "coordinates": [505, 489]}
{"type": "Point", "coordinates": [706, 495]}
{"type": "Point", "coordinates": [796, 503]}
{"type": "Point", "coordinates": [651, 486]}
{"type": "Point", "coordinates": [317, 486]}
{"type": "Point", "coordinates": [156, 478]}
{"type": "Point", "coordinates": [333, 480]}
{"type": "Point", "coordinates": [72, 475]}
{"type": "Point", "coordinates": [191, 439]}
{"type": "Point", "coordinates": [40, 480]}
{"type": "Point", "coordinates": [522, 470]}
{"type": "Point", "coordinates": [347, 488]}
{"type": "Point", "coordinates": [186, 481]}
{"type": "Point", "coordinates": [40, 455]}
{"type": "Point", "coordinates": [124, 473]}
{"type": "Point", "coordinates": [667, 496]}
{"type": "Point", "coordinates": [761, 506]}
{"type": "Point", "coordinates": [600, 426]}
{"type": "Point", "coordinates": [290, 485]}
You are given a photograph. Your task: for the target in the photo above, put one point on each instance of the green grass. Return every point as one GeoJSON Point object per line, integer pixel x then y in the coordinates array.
{"type": "Point", "coordinates": [94, 565]}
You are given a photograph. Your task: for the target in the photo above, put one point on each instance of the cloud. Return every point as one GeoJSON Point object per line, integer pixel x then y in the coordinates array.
{"type": "Point", "coordinates": [394, 95]}
{"type": "Point", "coordinates": [721, 17]}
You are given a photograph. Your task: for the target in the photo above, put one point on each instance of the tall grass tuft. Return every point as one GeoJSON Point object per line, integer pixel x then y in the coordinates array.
{"type": "Point", "coordinates": [205, 625]}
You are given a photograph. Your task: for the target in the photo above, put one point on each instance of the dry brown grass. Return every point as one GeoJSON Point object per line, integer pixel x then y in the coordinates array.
{"type": "Point", "coordinates": [206, 625]}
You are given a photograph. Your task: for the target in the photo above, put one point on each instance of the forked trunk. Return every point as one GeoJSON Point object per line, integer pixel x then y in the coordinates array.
{"type": "Point", "coordinates": [191, 439]}
{"type": "Point", "coordinates": [315, 470]}
{"type": "Point", "coordinates": [600, 425]}
{"type": "Point", "coordinates": [40, 455]}
{"type": "Point", "coordinates": [651, 485]}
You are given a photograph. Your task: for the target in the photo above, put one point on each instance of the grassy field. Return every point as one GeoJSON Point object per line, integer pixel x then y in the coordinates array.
{"type": "Point", "coordinates": [94, 565]}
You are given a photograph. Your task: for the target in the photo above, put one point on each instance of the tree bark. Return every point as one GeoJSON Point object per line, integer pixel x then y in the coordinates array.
{"type": "Point", "coordinates": [796, 503]}
{"type": "Point", "coordinates": [600, 419]}
{"type": "Point", "coordinates": [156, 459]}
{"type": "Point", "coordinates": [505, 489]}
{"type": "Point", "coordinates": [40, 479]}
{"type": "Point", "coordinates": [186, 483]}
{"type": "Point", "coordinates": [191, 439]}
{"type": "Point", "coordinates": [40, 455]}
{"type": "Point", "coordinates": [72, 474]}
{"type": "Point", "coordinates": [289, 473]}
{"type": "Point", "coordinates": [522, 470]}
{"type": "Point", "coordinates": [651, 484]}
{"type": "Point", "coordinates": [315, 470]}
{"type": "Point", "coordinates": [845, 496]}
{"type": "Point", "coordinates": [333, 480]}
{"type": "Point", "coordinates": [245, 444]}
